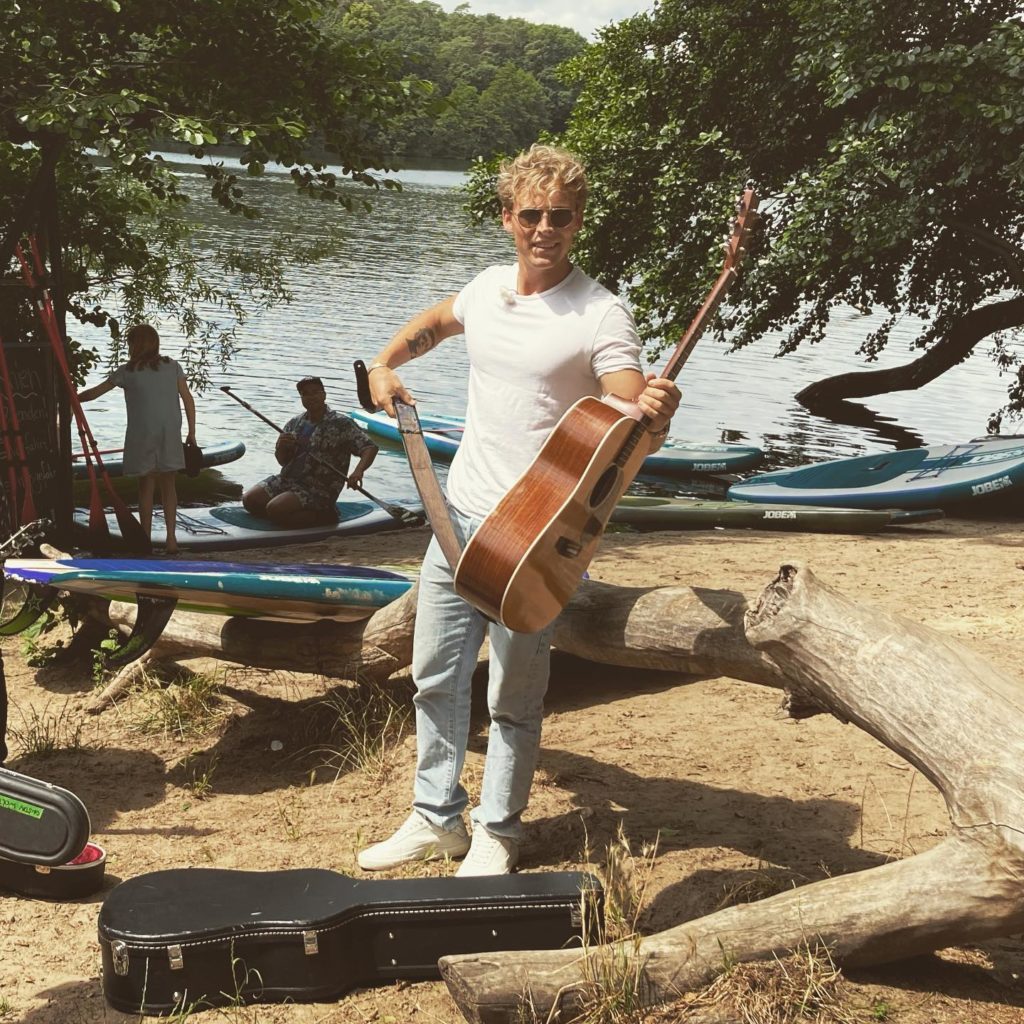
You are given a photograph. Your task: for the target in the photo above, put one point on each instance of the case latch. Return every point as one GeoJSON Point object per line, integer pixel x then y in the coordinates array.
{"type": "Point", "coordinates": [174, 958]}
{"type": "Point", "coordinates": [310, 943]}
{"type": "Point", "coordinates": [119, 953]}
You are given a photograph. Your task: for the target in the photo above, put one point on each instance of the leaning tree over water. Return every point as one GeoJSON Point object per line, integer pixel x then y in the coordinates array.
{"type": "Point", "coordinates": [886, 139]}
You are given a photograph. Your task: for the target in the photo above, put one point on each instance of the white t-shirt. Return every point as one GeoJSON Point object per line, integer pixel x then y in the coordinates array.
{"type": "Point", "coordinates": [531, 357]}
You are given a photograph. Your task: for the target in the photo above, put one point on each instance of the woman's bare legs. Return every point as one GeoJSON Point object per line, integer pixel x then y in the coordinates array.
{"type": "Point", "coordinates": [169, 500]}
{"type": "Point", "coordinates": [147, 485]}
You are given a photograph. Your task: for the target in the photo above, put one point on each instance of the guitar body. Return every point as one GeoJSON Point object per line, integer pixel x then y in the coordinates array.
{"type": "Point", "coordinates": [528, 556]}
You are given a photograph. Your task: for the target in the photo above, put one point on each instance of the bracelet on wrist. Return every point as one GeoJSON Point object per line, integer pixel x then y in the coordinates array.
{"type": "Point", "coordinates": [376, 366]}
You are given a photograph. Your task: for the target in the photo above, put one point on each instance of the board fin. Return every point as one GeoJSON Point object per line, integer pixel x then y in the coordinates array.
{"type": "Point", "coordinates": [150, 622]}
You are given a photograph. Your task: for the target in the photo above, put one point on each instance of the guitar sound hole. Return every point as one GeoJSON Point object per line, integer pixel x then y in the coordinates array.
{"type": "Point", "coordinates": [604, 486]}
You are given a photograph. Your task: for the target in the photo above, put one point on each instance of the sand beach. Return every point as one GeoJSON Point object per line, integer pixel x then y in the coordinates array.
{"type": "Point", "coordinates": [729, 792]}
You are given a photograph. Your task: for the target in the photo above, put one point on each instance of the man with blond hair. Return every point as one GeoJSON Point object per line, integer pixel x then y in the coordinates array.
{"type": "Point", "coordinates": [540, 335]}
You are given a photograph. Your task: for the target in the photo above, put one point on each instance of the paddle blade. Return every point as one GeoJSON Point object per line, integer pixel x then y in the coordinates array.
{"type": "Point", "coordinates": [97, 516]}
{"type": "Point", "coordinates": [28, 506]}
{"type": "Point", "coordinates": [134, 536]}
{"type": "Point", "coordinates": [406, 516]}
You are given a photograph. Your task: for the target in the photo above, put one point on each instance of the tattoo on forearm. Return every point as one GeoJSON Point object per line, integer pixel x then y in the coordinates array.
{"type": "Point", "coordinates": [422, 341]}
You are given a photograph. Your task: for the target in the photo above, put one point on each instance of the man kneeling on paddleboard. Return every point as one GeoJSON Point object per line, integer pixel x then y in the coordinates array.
{"type": "Point", "coordinates": [314, 451]}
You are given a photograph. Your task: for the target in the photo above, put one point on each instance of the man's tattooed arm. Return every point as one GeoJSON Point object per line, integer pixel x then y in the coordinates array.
{"type": "Point", "coordinates": [422, 341]}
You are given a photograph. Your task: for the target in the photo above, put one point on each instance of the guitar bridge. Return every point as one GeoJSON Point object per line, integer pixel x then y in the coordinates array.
{"type": "Point", "coordinates": [568, 548]}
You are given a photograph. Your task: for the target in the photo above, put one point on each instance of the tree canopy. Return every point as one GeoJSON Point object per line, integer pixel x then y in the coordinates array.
{"type": "Point", "coordinates": [83, 81]}
{"type": "Point", "coordinates": [498, 78]}
{"type": "Point", "coordinates": [885, 139]}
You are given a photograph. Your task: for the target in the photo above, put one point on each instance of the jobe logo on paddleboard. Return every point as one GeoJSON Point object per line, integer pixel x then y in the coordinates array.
{"type": "Point", "coordinates": [999, 484]}
{"type": "Point", "coordinates": [778, 513]}
{"type": "Point", "coordinates": [708, 467]}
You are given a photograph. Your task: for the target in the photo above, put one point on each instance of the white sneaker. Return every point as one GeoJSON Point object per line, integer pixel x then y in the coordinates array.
{"type": "Point", "coordinates": [489, 855]}
{"type": "Point", "coordinates": [417, 839]}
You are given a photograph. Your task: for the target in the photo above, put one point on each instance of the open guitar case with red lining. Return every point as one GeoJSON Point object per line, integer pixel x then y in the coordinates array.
{"type": "Point", "coordinates": [44, 841]}
{"type": "Point", "coordinates": [187, 939]}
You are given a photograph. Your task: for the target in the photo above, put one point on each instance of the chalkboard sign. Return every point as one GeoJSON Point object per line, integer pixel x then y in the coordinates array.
{"type": "Point", "coordinates": [33, 384]}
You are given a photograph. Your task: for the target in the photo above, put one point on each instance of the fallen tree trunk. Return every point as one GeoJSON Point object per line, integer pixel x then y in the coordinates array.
{"type": "Point", "coordinates": [679, 629]}
{"type": "Point", "coordinates": [928, 698]}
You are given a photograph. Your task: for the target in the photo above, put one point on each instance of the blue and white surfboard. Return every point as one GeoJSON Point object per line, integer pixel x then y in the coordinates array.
{"type": "Point", "coordinates": [303, 592]}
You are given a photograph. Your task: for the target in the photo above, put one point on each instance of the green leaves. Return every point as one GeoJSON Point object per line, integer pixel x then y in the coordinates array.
{"type": "Point", "coordinates": [868, 129]}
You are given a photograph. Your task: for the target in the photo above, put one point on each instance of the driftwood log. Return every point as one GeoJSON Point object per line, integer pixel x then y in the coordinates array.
{"type": "Point", "coordinates": [941, 707]}
{"type": "Point", "coordinates": [679, 629]}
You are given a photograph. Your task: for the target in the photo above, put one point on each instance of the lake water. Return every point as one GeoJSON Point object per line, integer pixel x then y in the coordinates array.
{"type": "Point", "coordinates": [414, 248]}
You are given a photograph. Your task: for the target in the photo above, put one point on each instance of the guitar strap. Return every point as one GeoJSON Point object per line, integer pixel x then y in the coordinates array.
{"type": "Point", "coordinates": [426, 483]}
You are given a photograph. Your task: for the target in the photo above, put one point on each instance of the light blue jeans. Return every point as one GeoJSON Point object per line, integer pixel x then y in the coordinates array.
{"type": "Point", "coordinates": [448, 637]}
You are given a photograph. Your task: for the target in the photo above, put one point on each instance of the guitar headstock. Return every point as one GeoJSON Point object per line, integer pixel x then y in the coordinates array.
{"type": "Point", "coordinates": [743, 227]}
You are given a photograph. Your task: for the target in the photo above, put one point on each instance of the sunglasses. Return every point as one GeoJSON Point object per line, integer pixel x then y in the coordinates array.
{"type": "Point", "coordinates": [559, 217]}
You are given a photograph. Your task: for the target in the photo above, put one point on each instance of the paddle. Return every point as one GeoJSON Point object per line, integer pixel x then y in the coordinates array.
{"type": "Point", "coordinates": [403, 515]}
{"type": "Point", "coordinates": [131, 531]}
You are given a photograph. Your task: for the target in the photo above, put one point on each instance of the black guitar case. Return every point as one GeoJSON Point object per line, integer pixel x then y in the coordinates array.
{"type": "Point", "coordinates": [43, 830]}
{"type": "Point", "coordinates": [194, 938]}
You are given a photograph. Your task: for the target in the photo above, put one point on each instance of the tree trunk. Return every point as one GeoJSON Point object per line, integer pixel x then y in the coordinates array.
{"type": "Point", "coordinates": [944, 709]}
{"type": "Point", "coordinates": [678, 629]}
{"type": "Point", "coordinates": [977, 324]}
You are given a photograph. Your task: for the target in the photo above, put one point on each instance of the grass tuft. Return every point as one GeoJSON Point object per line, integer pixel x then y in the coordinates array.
{"type": "Point", "coordinates": [46, 734]}
{"type": "Point", "coordinates": [363, 728]}
{"type": "Point", "coordinates": [189, 706]}
{"type": "Point", "coordinates": [804, 987]}
{"type": "Point", "coordinates": [765, 880]}
{"type": "Point", "coordinates": [615, 987]}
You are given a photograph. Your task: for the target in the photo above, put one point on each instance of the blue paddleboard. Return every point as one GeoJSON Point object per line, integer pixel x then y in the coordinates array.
{"type": "Point", "coordinates": [213, 455]}
{"type": "Point", "coordinates": [303, 592]}
{"type": "Point", "coordinates": [932, 477]}
{"type": "Point", "coordinates": [442, 435]}
{"type": "Point", "coordinates": [228, 526]}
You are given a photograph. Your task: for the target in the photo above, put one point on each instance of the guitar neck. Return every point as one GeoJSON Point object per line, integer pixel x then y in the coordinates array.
{"type": "Point", "coordinates": [735, 250]}
{"type": "Point", "coordinates": [682, 353]}
{"type": "Point", "coordinates": [700, 321]}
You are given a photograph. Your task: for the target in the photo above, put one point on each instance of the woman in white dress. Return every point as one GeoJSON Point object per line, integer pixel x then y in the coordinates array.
{"type": "Point", "coordinates": [155, 389]}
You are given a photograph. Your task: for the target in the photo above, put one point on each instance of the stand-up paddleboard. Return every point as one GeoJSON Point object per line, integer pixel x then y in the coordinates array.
{"type": "Point", "coordinates": [303, 592]}
{"type": "Point", "coordinates": [442, 435]}
{"type": "Point", "coordinates": [644, 513]}
{"type": "Point", "coordinates": [229, 526]}
{"type": "Point", "coordinates": [213, 455]}
{"type": "Point", "coordinates": [933, 477]}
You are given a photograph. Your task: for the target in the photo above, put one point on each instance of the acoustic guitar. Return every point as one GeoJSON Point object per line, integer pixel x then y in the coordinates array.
{"type": "Point", "coordinates": [528, 556]}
